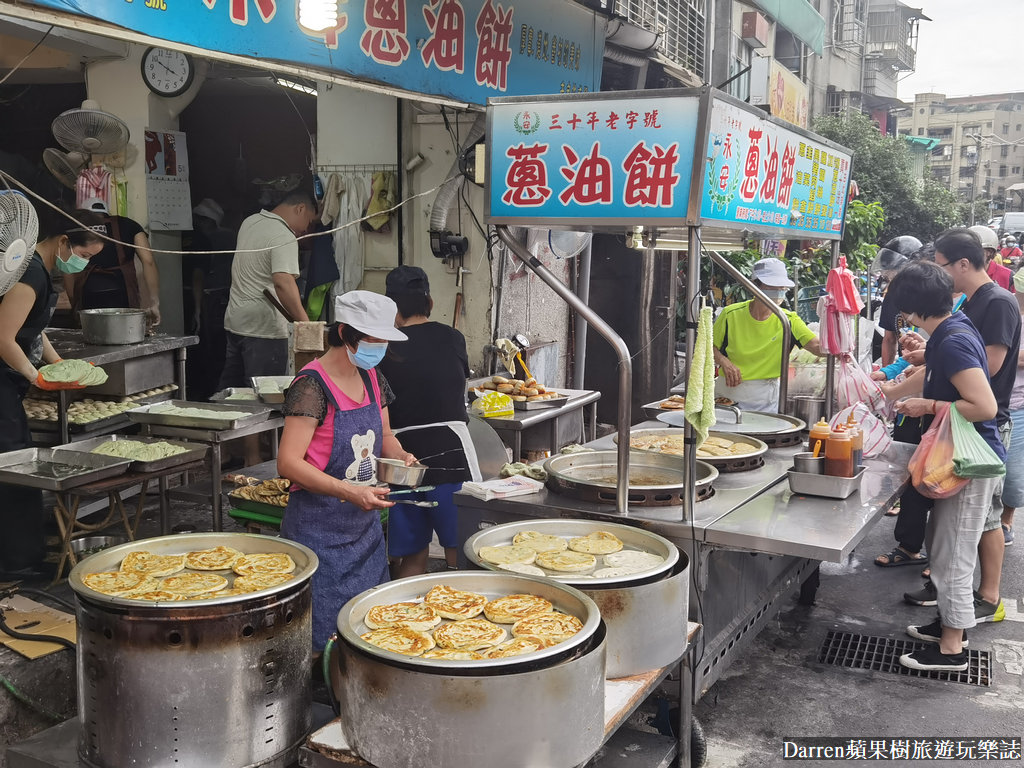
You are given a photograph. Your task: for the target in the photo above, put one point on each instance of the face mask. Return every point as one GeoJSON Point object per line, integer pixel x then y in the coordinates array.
{"type": "Point", "coordinates": [368, 354]}
{"type": "Point", "coordinates": [775, 294]}
{"type": "Point", "coordinates": [73, 265]}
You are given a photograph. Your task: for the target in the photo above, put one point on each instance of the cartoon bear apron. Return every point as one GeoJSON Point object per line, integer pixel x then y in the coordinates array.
{"type": "Point", "coordinates": [348, 540]}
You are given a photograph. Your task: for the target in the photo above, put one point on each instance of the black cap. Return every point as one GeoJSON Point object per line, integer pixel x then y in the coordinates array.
{"type": "Point", "coordinates": [407, 281]}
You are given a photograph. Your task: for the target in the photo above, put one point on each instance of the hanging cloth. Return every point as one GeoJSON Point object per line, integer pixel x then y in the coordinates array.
{"type": "Point", "coordinates": [383, 196]}
{"type": "Point", "coordinates": [842, 287]}
{"type": "Point", "coordinates": [332, 199]}
{"type": "Point", "coordinates": [348, 242]}
{"type": "Point", "coordinates": [92, 183]}
{"type": "Point", "coordinates": [700, 389]}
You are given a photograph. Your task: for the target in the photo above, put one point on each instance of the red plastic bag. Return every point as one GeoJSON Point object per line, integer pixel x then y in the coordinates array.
{"type": "Point", "coordinates": [842, 286]}
{"type": "Point", "coordinates": [931, 466]}
{"type": "Point", "coordinates": [854, 386]}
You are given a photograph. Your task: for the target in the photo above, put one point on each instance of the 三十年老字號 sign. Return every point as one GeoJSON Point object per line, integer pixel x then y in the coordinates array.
{"type": "Point", "coordinates": [591, 162]}
{"type": "Point", "coordinates": [465, 50]}
{"type": "Point", "coordinates": [761, 176]}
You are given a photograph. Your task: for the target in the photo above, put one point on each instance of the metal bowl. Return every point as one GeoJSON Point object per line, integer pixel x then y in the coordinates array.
{"type": "Point", "coordinates": [632, 538]}
{"type": "Point", "coordinates": [90, 545]}
{"type": "Point", "coordinates": [394, 472]}
{"type": "Point", "coordinates": [492, 585]}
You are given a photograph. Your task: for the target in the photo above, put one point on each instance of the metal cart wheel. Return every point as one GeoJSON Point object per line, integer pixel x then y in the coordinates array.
{"type": "Point", "coordinates": [698, 744]}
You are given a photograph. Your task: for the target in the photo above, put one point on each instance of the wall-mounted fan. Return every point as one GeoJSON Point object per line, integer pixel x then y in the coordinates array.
{"type": "Point", "coordinates": [561, 244]}
{"type": "Point", "coordinates": [65, 166]}
{"type": "Point", "coordinates": [90, 130]}
{"type": "Point", "coordinates": [19, 229]}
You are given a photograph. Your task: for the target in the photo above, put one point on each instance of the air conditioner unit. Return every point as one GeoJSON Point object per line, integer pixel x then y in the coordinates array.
{"type": "Point", "coordinates": [755, 29]}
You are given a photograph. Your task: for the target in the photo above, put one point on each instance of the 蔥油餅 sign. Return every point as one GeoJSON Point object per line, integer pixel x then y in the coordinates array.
{"type": "Point", "coordinates": [465, 50]}
{"type": "Point", "coordinates": [770, 179]}
{"type": "Point", "coordinates": [592, 161]}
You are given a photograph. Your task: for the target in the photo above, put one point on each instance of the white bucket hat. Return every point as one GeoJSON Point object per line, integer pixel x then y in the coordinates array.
{"type": "Point", "coordinates": [772, 272]}
{"type": "Point", "coordinates": [369, 313]}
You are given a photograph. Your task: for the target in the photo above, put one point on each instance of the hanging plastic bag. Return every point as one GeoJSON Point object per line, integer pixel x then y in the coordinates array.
{"type": "Point", "coordinates": [836, 328]}
{"type": "Point", "coordinates": [972, 455]}
{"type": "Point", "coordinates": [842, 286]}
{"type": "Point", "coordinates": [931, 466]}
{"type": "Point", "coordinates": [853, 386]}
{"type": "Point", "coordinates": [876, 434]}
{"type": "Point", "coordinates": [491, 405]}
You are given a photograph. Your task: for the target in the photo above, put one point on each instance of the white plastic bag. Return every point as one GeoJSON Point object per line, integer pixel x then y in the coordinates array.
{"type": "Point", "coordinates": [853, 386]}
{"type": "Point", "coordinates": [876, 434]}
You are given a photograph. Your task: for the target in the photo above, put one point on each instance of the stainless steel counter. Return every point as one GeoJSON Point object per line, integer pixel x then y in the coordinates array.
{"type": "Point", "coordinates": [512, 427]}
{"type": "Point", "coordinates": [69, 344]}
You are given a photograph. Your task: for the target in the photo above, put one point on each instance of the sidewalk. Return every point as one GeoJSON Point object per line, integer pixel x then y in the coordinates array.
{"type": "Point", "coordinates": [778, 688]}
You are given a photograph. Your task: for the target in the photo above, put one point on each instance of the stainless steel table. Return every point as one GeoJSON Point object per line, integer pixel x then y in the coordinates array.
{"type": "Point", "coordinates": [750, 544]}
{"type": "Point", "coordinates": [215, 439]}
{"type": "Point", "coordinates": [514, 426]}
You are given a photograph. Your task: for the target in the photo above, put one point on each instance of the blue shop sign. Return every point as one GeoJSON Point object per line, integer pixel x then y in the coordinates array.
{"type": "Point", "coordinates": [591, 162]}
{"type": "Point", "coordinates": [465, 50]}
{"type": "Point", "coordinates": [761, 176]}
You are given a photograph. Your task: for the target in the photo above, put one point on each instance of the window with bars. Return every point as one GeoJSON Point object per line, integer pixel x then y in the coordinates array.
{"type": "Point", "coordinates": [681, 24]}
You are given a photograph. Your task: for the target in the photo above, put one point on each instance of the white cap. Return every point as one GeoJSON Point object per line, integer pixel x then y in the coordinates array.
{"type": "Point", "coordinates": [97, 204]}
{"type": "Point", "coordinates": [772, 272]}
{"type": "Point", "coordinates": [370, 313]}
{"type": "Point", "coordinates": [210, 209]}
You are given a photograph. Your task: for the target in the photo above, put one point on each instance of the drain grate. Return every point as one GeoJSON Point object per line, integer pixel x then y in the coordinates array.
{"type": "Point", "coordinates": [882, 654]}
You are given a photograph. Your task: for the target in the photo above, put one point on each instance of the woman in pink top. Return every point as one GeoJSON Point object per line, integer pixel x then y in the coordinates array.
{"type": "Point", "coordinates": [336, 425]}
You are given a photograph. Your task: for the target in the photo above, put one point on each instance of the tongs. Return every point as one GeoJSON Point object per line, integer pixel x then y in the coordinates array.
{"type": "Point", "coordinates": [415, 502]}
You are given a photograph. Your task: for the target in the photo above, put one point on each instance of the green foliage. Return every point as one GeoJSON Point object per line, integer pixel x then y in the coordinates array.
{"type": "Point", "coordinates": [883, 170]}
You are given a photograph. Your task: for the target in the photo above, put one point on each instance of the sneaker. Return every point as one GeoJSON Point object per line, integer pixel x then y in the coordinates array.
{"type": "Point", "coordinates": [985, 611]}
{"type": "Point", "coordinates": [930, 633]}
{"type": "Point", "coordinates": [934, 660]}
{"type": "Point", "coordinates": [1007, 535]}
{"type": "Point", "coordinates": [926, 596]}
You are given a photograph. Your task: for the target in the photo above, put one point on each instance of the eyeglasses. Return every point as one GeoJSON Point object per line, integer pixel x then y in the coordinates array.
{"type": "Point", "coordinates": [946, 264]}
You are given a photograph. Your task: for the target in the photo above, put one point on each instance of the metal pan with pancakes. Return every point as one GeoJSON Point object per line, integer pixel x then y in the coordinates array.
{"type": "Point", "coordinates": [633, 540]}
{"type": "Point", "coordinates": [492, 585]}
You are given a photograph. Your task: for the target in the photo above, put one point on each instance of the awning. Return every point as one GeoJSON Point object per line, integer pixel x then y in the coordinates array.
{"type": "Point", "coordinates": [800, 18]}
{"type": "Point", "coordinates": [922, 141]}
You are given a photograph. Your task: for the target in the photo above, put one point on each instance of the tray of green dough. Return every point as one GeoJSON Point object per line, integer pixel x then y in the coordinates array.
{"type": "Point", "coordinates": [66, 371]}
{"type": "Point", "coordinates": [147, 454]}
{"type": "Point", "coordinates": [182, 413]}
{"type": "Point", "coordinates": [271, 389]}
{"type": "Point", "coordinates": [234, 394]}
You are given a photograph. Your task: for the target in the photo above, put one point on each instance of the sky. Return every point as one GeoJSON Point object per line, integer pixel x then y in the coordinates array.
{"type": "Point", "coordinates": [969, 47]}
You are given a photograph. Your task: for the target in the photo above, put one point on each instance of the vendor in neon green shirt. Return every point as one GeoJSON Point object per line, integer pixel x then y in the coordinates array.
{"type": "Point", "coordinates": [748, 342]}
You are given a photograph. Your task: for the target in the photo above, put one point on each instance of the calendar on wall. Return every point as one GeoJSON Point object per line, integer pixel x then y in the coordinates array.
{"type": "Point", "coordinates": [169, 199]}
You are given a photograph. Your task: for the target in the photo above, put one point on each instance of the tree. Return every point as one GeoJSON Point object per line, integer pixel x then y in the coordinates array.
{"type": "Point", "coordinates": [883, 171]}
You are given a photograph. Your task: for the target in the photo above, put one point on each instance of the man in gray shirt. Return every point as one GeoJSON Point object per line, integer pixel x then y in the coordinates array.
{"type": "Point", "coordinates": [266, 259]}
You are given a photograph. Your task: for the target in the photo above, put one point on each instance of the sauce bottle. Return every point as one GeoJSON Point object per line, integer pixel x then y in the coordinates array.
{"type": "Point", "coordinates": [819, 433]}
{"type": "Point", "coordinates": [839, 454]}
{"type": "Point", "coordinates": [857, 438]}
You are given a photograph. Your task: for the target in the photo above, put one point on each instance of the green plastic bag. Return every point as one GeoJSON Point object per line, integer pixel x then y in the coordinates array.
{"type": "Point", "coordinates": [972, 456]}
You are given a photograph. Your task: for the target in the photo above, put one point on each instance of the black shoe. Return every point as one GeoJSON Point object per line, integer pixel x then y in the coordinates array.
{"type": "Point", "coordinates": [926, 596]}
{"type": "Point", "coordinates": [934, 660]}
{"type": "Point", "coordinates": [930, 633]}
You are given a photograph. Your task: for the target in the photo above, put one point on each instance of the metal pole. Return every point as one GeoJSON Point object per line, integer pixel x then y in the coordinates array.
{"type": "Point", "coordinates": [689, 435]}
{"type": "Point", "coordinates": [787, 334]}
{"type": "Point", "coordinates": [830, 363]}
{"type": "Point", "coordinates": [621, 350]}
{"type": "Point", "coordinates": [583, 291]}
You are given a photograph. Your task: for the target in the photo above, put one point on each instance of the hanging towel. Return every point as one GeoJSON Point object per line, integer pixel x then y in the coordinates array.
{"type": "Point", "coordinates": [383, 193]}
{"type": "Point", "coordinates": [92, 183]}
{"type": "Point", "coordinates": [332, 199]}
{"type": "Point", "coordinates": [700, 389]}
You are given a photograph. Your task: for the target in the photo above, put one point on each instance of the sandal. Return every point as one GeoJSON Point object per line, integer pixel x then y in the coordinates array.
{"type": "Point", "coordinates": [898, 557]}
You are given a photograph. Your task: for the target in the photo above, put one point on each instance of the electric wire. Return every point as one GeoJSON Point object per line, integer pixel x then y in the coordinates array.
{"type": "Point", "coordinates": [24, 58]}
{"type": "Point", "coordinates": [25, 189]}
{"type": "Point", "coordinates": [28, 701]}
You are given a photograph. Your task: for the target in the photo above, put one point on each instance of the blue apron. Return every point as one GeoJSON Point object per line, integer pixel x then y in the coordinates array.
{"type": "Point", "coordinates": [348, 540]}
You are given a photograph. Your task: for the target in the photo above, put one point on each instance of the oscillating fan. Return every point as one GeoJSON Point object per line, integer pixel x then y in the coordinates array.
{"type": "Point", "coordinates": [19, 228]}
{"type": "Point", "coordinates": [90, 130]}
{"type": "Point", "coordinates": [561, 244]}
{"type": "Point", "coordinates": [65, 166]}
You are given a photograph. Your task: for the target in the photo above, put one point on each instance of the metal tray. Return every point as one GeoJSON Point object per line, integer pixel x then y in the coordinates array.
{"type": "Point", "coordinates": [632, 539]}
{"type": "Point", "coordinates": [306, 563]}
{"type": "Point", "coordinates": [828, 486]}
{"type": "Point", "coordinates": [733, 463]}
{"type": "Point", "coordinates": [147, 415]}
{"type": "Point", "coordinates": [193, 451]}
{"type": "Point", "coordinates": [654, 410]}
{"type": "Point", "coordinates": [33, 467]}
{"type": "Point", "coordinates": [490, 584]}
{"type": "Point", "coordinates": [225, 395]}
{"type": "Point", "coordinates": [283, 382]}
{"type": "Point", "coordinates": [537, 405]}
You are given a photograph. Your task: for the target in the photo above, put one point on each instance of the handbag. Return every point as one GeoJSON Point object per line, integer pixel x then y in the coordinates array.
{"type": "Point", "coordinates": [972, 455]}
{"type": "Point", "coordinates": [931, 466]}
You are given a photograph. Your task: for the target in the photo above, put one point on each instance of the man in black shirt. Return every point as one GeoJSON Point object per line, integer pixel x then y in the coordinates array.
{"type": "Point", "coordinates": [994, 312]}
{"type": "Point", "coordinates": [428, 374]}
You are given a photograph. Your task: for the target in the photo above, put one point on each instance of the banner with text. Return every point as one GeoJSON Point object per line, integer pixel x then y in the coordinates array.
{"type": "Point", "coordinates": [763, 177]}
{"type": "Point", "coordinates": [466, 50]}
{"type": "Point", "coordinates": [591, 162]}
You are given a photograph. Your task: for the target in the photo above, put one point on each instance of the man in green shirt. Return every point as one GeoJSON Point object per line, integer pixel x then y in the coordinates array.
{"type": "Point", "coordinates": [748, 342]}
